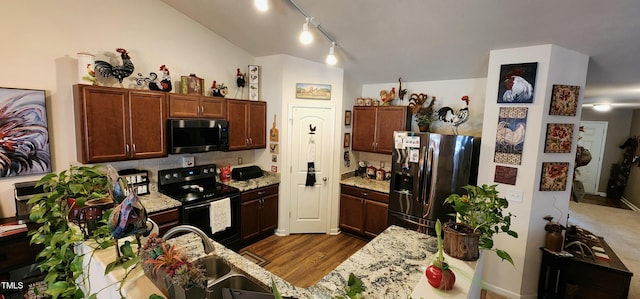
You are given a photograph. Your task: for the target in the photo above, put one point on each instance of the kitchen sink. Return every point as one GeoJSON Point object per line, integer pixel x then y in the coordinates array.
{"type": "Point", "coordinates": [234, 281]}
{"type": "Point", "coordinates": [214, 266]}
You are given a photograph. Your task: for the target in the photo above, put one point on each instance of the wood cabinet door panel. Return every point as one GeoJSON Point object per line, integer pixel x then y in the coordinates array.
{"type": "Point", "coordinates": [212, 107]}
{"type": "Point", "coordinates": [237, 117]}
{"type": "Point", "coordinates": [183, 106]}
{"type": "Point", "coordinates": [389, 119]}
{"type": "Point", "coordinates": [148, 119]}
{"type": "Point", "coordinates": [363, 135]}
{"type": "Point", "coordinates": [104, 129]}
{"type": "Point", "coordinates": [269, 214]}
{"type": "Point", "coordinates": [351, 213]}
{"type": "Point", "coordinates": [375, 218]}
{"type": "Point", "coordinates": [250, 219]}
{"type": "Point", "coordinates": [257, 125]}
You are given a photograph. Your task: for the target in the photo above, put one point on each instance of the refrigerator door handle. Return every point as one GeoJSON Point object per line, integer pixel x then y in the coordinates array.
{"type": "Point", "coordinates": [430, 183]}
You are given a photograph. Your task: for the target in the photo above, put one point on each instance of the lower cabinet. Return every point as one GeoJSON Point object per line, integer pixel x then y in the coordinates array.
{"type": "Point", "coordinates": [363, 212]}
{"type": "Point", "coordinates": [165, 219]}
{"type": "Point", "coordinates": [258, 213]}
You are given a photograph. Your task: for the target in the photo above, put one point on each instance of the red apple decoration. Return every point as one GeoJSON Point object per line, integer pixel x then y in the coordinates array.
{"type": "Point", "coordinates": [438, 273]}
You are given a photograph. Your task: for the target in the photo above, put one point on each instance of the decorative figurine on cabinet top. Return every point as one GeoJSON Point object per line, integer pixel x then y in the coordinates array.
{"type": "Point", "coordinates": [120, 71]}
{"type": "Point", "coordinates": [240, 81]}
{"type": "Point", "coordinates": [165, 83]}
{"type": "Point", "coordinates": [218, 90]}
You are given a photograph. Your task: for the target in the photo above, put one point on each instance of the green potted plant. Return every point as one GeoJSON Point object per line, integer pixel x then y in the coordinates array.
{"type": "Point", "coordinates": [68, 189]}
{"type": "Point", "coordinates": [424, 117]}
{"type": "Point", "coordinates": [481, 215]}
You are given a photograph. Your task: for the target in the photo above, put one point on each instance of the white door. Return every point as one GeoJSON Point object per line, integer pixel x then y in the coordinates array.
{"type": "Point", "coordinates": [309, 212]}
{"type": "Point", "coordinates": [593, 139]}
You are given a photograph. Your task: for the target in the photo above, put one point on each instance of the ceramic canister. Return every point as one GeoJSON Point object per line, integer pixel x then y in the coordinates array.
{"type": "Point", "coordinates": [85, 64]}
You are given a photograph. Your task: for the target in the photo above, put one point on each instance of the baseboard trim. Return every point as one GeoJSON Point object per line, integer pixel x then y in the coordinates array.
{"type": "Point", "coordinates": [629, 204]}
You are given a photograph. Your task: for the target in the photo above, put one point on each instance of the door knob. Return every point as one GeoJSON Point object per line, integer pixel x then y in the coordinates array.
{"type": "Point", "coordinates": [325, 179]}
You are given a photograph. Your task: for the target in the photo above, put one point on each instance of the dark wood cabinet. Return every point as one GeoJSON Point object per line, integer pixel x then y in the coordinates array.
{"type": "Point", "coordinates": [165, 219]}
{"type": "Point", "coordinates": [15, 248]}
{"type": "Point", "coordinates": [194, 106]}
{"type": "Point", "coordinates": [362, 211]}
{"type": "Point", "coordinates": [258, 213]}
{"type": "Point", "coordinates": [247, 124]}
{"type": "Point", "coordinates": [575, 277]}
{"type": "Point", "coordinates": [115, 124]}
{"type": "Point", "coordinates": [373, 127]}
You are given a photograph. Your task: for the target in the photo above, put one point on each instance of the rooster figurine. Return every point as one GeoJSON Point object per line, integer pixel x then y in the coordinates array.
{"type": "Point", "coordinates": [456, 118]}
{"type": "Point", "coordinates": [165, 83]}
{"type": "Point", "coordinates": [119, 72]}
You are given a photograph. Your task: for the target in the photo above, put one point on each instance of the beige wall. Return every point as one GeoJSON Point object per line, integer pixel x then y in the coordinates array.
{"type": "Point", "coordinates": [619, 123]}
{"type": "Point", "coordinates": [40, 42]}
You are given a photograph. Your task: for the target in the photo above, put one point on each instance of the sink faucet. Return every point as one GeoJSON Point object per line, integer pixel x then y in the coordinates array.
{"type": "Point", "coordinates": [208, 246]}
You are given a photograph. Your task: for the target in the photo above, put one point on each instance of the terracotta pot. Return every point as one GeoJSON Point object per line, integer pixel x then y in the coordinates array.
{"type": "Point", "coordinates": [424, 128]}
{"type": "Point", "coordinates": [461, 242]}
{"type": "Point", "coordinates": [440, 279]}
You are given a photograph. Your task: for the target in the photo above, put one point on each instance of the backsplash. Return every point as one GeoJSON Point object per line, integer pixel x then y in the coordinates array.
{"type": "Point", "coordinates": [175, 161]}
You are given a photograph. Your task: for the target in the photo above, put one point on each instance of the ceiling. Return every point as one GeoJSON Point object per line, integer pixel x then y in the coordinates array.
{"type": "Point", "coordinates": [424, 40]}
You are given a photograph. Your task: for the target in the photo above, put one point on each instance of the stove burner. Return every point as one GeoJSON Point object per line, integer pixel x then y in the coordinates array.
{"type": "Point", "coordinates": [193, 187]}
{"type": "Point", "coordinates": [193, 184]}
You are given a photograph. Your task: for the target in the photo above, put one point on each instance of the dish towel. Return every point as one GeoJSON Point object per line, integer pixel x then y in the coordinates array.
{"type": "Point", "coordinates": [220, 215]}
{"type": "Point", "coordinates": [311, 168]}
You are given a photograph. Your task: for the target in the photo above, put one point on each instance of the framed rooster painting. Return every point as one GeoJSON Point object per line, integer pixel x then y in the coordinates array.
{"type": "Point", "coordinates": [24, 147]}
{"type": "Point", "coordinates": [512, 124]}
{"type": "Point", "coordinates": [517, 83]}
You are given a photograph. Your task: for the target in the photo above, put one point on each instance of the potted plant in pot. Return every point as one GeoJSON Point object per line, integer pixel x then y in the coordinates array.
{"type": "Point", "coordinates": [438, 273]}
{"type": "Point", "coordinates": [424, 115]}
{"type": "Point", "coordinates": [72, 187]}
{"type": "Point", "coordinates": [481, 215]}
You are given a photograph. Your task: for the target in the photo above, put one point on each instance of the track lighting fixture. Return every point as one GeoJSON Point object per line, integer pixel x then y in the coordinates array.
{"type": "Point", "coordinates": [262, 5]}
{"type": "Point", "coordinates": [306, 37]}
{"type": "Point", "coordinates": [331, 58]}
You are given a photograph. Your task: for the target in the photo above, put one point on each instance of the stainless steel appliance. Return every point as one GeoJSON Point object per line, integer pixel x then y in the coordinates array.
{"type": "Point", "coordinates": [23, 191]}
{"type": "Point", "coordinates": [196, 187]}
{"type": "Point", "coordinates": [197, 135]}
{"type": "Point", "coordinates": [426, 168]}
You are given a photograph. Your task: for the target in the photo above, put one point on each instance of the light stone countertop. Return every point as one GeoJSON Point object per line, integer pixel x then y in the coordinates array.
{"type": "Point", "coordinates": [390, 265]}
{"type": "Point", "coordinates": [267, 179]}
{"type": "Point", "coordinates": [156, 201]}
{"type": "Point", "coordinates": [375, 185]}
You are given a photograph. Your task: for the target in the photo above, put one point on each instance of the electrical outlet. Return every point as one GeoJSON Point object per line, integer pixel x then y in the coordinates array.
{"type": "Point", "coordinates": [515, 195]}
{"type": "Point", "coordinates": [188, 161]}
{"type": "Point", "coordinates": [239, 160]}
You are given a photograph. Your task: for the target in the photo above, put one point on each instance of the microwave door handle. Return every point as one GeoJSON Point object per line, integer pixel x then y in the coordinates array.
{"type": "Point", "coordinates": [219, 126]}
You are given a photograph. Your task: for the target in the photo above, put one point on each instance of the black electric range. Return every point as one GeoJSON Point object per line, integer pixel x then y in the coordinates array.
{"type": "Point", "coordinates": [196, 187]}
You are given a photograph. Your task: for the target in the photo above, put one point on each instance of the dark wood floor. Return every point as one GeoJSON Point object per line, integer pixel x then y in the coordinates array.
{"type": "Point", "coordinates": [304, 259]}
{"type": "Point", "coordinates": [603, 201]}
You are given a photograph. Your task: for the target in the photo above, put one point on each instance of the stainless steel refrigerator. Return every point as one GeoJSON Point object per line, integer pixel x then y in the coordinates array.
{"type": "Point", "coordinates": [425, 169]}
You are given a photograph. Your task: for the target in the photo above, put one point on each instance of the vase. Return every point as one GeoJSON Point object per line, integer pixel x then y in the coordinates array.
{"type": "Point", "coordinates": [461, 242]}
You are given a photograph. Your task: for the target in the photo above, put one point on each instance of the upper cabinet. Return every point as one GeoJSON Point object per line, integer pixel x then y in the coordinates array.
{"type": "Point", "coordinates": [195, 106]}
{"type": "Point", "coordinates": [247, 124]}
{"type": "Point", "coordinates": [373, 127]}
{"type": "Point", "coordinates": [115, 124]}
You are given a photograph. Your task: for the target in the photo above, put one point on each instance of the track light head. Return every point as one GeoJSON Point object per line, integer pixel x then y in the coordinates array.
{"type": "Point", "coordinates": [331, 58]}
{"type": "Point", "coordinates": [305, 36]}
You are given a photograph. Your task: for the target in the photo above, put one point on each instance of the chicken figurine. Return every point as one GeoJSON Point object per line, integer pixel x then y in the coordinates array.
{"type": "Point", "coordinates": [117, 71]}
{"type": "Point", "coordinates": [165, 83]}
{"type": "Point", "coordinates": [456, 118]}
{"type": "Point", "coordinates": [91, 75]}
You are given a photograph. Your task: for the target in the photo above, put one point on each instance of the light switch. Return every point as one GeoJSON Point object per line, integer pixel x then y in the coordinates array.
{"type": "Point", "coordinates": [514, 195]}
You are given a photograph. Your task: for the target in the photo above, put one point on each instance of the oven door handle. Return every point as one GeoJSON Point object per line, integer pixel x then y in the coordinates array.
{"type": "Point", "coordinates": [204, 203]}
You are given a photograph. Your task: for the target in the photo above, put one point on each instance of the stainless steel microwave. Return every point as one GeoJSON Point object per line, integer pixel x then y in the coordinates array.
{"type": "Point", "coordinates": [197, 135]}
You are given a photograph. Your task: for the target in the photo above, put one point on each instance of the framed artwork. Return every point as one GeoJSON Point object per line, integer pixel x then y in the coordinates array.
{"type": "Point", "coordinates": [254, 82]}
{"type": "Point", "coordinates": [25, 133]}
{"type": "Point", "coordinates": [554, 176]}
{"type": "Point", "coordinates": [313, 91]}
{"type": "Point", "coordinates": [191, 85]}
{"type": "Point", "coordinates": [564, 100]}
{"type": "Point", "coordinates": [510, 135]}
{"type": "Point", "coordinates": [517, 83]}
{"type": "Point", "coordinates": [347, 118]}
{"type": "Point", "coordinates": [505, 175]}
{"type": "Point", "coordinates": [274, 148]}
{"type": "Point", "coordinates": [347, 139]}
{"type": "Point", "coordinates": [559, 137]}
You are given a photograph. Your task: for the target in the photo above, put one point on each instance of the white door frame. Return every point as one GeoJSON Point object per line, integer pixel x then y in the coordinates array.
{"type": "Point", "coordinates": [332, 207]}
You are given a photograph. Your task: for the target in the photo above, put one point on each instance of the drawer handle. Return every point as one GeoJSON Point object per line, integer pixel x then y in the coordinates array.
{"type": "Point", "coordinates": [261, 192]}
{"type": "Point", "coordinates": [365, 194]}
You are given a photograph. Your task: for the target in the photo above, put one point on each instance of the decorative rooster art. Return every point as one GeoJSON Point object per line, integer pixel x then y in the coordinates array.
{"type": "Point", "coordinates": [165, 83]}
{"type": "Point", "coordinates": [119, 71]}
{"type": "Point", "coordinates": [456, 118]}
{"type": "Point", "coordinates": [509, 138]}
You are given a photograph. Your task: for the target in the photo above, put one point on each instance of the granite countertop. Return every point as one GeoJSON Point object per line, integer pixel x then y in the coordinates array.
{"type": "Point", "coordinates": [375, 185]}
{"type": "Point", "coordinates": [156, 201]}
{"type": "Point", "coordinates": [267, 179]}
{"type": "Point", "coordinates": [390, 265]}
